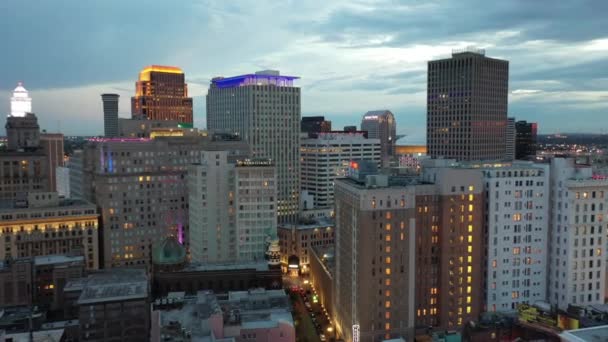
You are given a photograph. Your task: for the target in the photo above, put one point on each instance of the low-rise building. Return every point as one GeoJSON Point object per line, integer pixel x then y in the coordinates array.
{"type": "Point", "coordinates": [114, 306]}
{"type": "Point", "coordinates": [254, 315]}
{"type": "Point", "coordinates": [295, 239]}
{"type": "Point", "coordinates": [44, 224]}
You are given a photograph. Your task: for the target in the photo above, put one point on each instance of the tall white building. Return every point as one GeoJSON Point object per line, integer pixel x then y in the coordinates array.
{"type": "Point", "coordinates": [327, 157]}
{"type": "Point", "coordinates": [264, 109]}
{"type": "Point", "coordinates": [21, 102]}
{"type": "Point", "coordinates": [577, 269]}
{"type": "Point", "coordinates": [517, 223]}
{"type": "Point", "coordinates": [232, 208]}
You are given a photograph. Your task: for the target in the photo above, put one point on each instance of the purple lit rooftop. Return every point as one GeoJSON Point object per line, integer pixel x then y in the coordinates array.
{"type": "Point", "coordinates": [254, 79]}
{"type": "Point", "coordinates": [131, 140]}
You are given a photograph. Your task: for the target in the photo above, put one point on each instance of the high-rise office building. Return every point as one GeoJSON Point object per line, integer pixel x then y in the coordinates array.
{"type": "Point", "coordinates": [467, 106]}
{"type": "Point", "coordinates": [161, 93]}
{"type": "Point", "coordinates": [577, 238]}
{"type": "Point", "coordinates": [21, 102]}
{"type": "Point", "coordinates": [328, 157]}
{"type": "Point", "coordinates": [140, 187]}
{"type": "Point", "coordinates": [380, 124]}
{"type": "Point", "coordinates": [525, 139]}
{"type": "Point", "coordinates": [374, 281]}
{"type": "Point", "coordinates": [43, 224]}
{"type": "Point", "coordinates": [314, 124]}
{"type": "Point", "coordinates": [52, 147]}
{"type": "Point", "coordinates": [517, 228]}
{"type": "Point", "coordinates": [403, 237]}
{"type": "Point", "coordinates": [232, 206]}
{"type": "Point", "coordinates": [264, 109]}
{"type": "Point", "coordinates": [110, 115]}
{"type": "Point", "coordinates": [449, 246]}
{"type": "Point", "coordinates": [510, 140]}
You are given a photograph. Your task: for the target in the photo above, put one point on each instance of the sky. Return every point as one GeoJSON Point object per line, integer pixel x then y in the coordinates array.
{"type": "Point", "coordinates": [352, 55]}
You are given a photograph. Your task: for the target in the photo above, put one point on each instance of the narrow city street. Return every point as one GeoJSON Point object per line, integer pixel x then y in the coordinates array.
{"type": "Point", "coordinates": [313, 322]}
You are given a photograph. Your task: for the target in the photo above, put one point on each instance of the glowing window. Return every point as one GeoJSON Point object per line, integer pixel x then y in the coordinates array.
{"type": "Point", "coordinates": [388, 260]}
{"type": "Point", "coordinates": [469, 269]}
{"type": "Point", "coordinates": [468, 309]}
{"type": "Point", "coordinates": [470, 249]}
{"type": "Point", "coordinates": [388, 271]}
{"type": "Point", "coordinates": [387, 304]}
{"type": "Point", "coordinates": [471, 188]}
{"type": "Point", "coordinates": [470, 207]}
{"type": "Point", "coordinates": [470, 228]}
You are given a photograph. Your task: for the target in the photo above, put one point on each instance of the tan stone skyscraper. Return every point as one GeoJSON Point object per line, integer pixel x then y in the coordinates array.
{"type": "Point", "coordinates": [467, 106]}
{"type": "Point", "coordinates": [162, 94]}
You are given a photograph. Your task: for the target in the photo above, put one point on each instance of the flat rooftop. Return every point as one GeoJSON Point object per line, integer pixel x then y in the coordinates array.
{"type": "Point", "coordinates": [57, 259]}
{"type": "Point", "coordinates": [12, 205]}
{"type": "Point", "coordinates": [594, 334]}
{"type": "Point", "coordinates": [318, 224]}
{"type": "Point", "coordinates": [114, 285]}
{"type": "Point", "coordinates": [196, 267]}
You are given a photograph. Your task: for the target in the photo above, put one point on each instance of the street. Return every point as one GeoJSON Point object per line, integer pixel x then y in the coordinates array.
{"type": "Point", "coordinates": [313, 323]}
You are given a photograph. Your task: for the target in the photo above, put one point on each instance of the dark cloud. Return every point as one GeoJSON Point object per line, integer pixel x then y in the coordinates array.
{"type": "Point", "coordinates": [440, 21]}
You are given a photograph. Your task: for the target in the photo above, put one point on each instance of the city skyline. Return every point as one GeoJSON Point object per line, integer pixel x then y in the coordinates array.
{"type": "Point", "coordinates": [352, 57]}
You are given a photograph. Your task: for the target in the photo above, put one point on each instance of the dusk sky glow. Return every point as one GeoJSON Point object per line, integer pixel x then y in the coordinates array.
{"type": "Point", "coordinates": [351, 56]}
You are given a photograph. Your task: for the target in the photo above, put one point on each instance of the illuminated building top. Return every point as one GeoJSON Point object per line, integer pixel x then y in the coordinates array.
{"type": "Point", "coordinates": [144, 75]}
{"type": "Point", "coordinates": [267, 77]}
{"type": "Point", "coordinates": [21, 103]}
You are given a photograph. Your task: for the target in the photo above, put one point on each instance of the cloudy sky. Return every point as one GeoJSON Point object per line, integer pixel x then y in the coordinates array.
{"type": "Point", "coordinates": [352, 55]}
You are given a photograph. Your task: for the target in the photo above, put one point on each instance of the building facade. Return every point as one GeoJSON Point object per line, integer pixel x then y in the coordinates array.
{"type": "Point", "coordinates": [450, 246]}
{"type": "Point", "coordinates": [327, 157]}
{"type": "Point", "coordinates": [467, 106]}
{"type": "Point", "coordinates": [232, 208]}
{"type": "Point", "coordinates": [46, 225]}
{"type": "Point", "coordinates": [374, 281]}
{"type": "Point", "coordinates": [140, 186]}
{"type": "Point", "coordinates": [161, 93]}
{"type": "Point", "coordinates": [264, 109]}
{"type": "Point", "coordinates": [380, 124]}
{"type": "Point", "coordinates": [52, 147]}
{"type": "Point", "coordinates": [110, 115]}
{"type": "Point", "coordinates": [517, 228]}
{"type": "Point", "coordinates": [525, 139]}
{"type": "Point", "coordinates": [23, 132]}
{"type": "Point", "coordinates": [314, 124]}
{"type": "Point", "coordinates": [577, 264]}
{"type": "Point", "coordinates": [296, 239]}
{"type": "Point", "coordinates": [22, 172]}
{"type": "Point", "coordinates": [115, 306]}
{"type": "Point", "coordinates": [510, 138]}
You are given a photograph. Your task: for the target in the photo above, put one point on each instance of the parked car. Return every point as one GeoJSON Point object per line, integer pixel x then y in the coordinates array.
{"type": "Point", "coordinates": [322, 338]}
